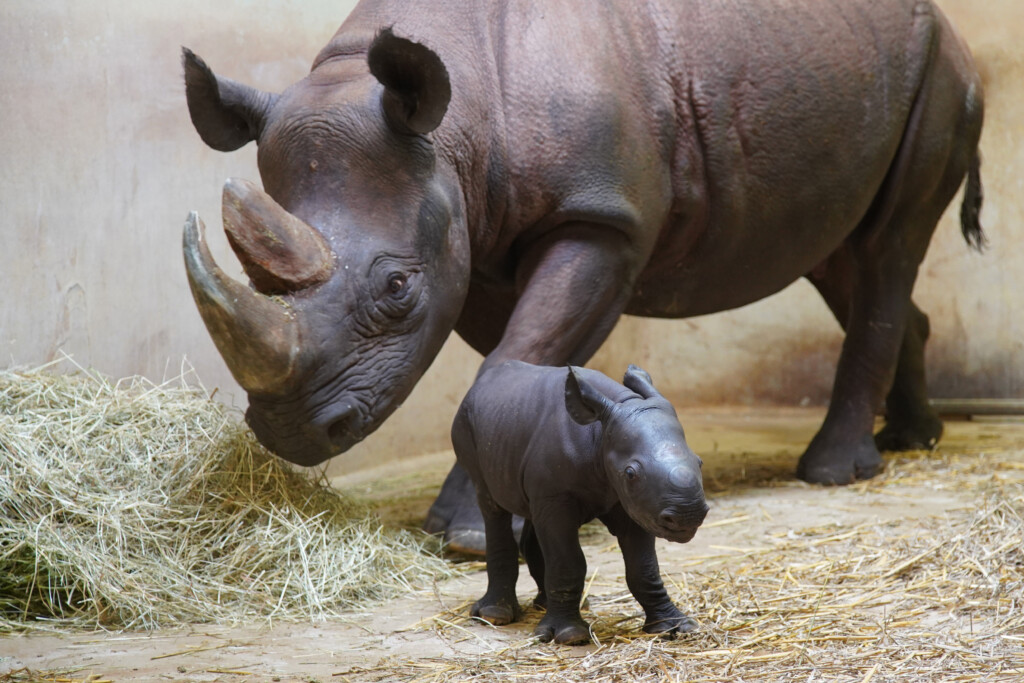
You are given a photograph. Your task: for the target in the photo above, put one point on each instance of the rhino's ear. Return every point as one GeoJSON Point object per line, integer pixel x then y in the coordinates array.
{"type": "Point", "coordinates": [583, 401]}
{"type": "Point", "coordinates": [226, 114]}
{"type": "Point", "coordinates": [638, 380]}
{"type": "Point", "coordinates": [415, 80]}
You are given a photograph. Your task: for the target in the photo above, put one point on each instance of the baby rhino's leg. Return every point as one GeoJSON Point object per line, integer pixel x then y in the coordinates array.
{"type": "Point", "coordinates": [643, 576]}
{"type": "Point", "coordinates": [499, 605]}
{"type": "Point", "coordinates": [529, 546]}
{"type": "Point", "coordinates": [565, 570]}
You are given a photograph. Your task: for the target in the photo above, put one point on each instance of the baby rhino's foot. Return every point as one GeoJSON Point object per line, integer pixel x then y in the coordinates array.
{"type": "Point", "coordinates": [497, 612]}
{"type": "Point", "coordinates": [669, 622]}
{"type": "Point", "coordinates": [563, 631]}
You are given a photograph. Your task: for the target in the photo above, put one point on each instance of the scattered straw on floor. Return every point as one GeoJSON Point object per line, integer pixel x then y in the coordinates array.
{"type": "Point", "coordinates": [133, 505]}
{"type": "Point", "coordinates": [26, 675]}
{"type": "Point", "coordinates": [940, 599]}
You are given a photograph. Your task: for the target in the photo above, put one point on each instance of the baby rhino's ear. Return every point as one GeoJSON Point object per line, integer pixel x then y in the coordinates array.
{"type": "Point", "coordinates": [639, 381]}
{"type": "Point", "coordinates": [584, 403]}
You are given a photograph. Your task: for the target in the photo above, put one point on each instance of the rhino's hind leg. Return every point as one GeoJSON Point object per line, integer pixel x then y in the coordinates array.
{"type": "Point", "coordinates": [843, 450]}
{"type": "Point", "coordinates": [910, 421]}
{"type": "Point", "coordinates": [556, 525]}
{"type": "Point", "coordinates": [499, 605]}
{"type": "Point", "coordinates": [869, 279]}
{"type": "Point", "coordinates": [868, 288]}
{"type": "Point", "coordinates": [529, 546]}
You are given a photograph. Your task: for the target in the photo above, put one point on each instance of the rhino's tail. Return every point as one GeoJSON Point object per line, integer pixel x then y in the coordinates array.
{"type": "Point", "coordinates": [970, 210]}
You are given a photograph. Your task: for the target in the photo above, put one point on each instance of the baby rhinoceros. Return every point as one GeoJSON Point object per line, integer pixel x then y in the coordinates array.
{"type": "Point", "coordinates": [559, 447]}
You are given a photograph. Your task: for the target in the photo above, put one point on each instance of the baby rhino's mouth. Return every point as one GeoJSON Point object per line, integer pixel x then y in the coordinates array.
{"type": "Point", "coordinates": [680, 536]}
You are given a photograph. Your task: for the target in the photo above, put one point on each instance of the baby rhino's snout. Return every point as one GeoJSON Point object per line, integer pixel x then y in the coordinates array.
{"type": "Point", "coordinates": [684, 507]}
{"type": "Point", "coordinates": [675, 518]}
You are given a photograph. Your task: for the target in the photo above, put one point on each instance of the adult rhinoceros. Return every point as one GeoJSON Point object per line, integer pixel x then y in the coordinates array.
{"type": "Point", "coordinates": [524, 172]}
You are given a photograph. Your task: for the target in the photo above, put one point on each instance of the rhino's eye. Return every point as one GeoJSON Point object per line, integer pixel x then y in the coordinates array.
{"type": "Point", "coordinates": [630, 473]}
{"type": "Point", "coordinates": [395, 286]}
{"type": "Point", "coordinates": [396, 283]}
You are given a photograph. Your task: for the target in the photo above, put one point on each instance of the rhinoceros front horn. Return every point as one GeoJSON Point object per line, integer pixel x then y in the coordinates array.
{"type": "Point", "coordinates": [256, 334]}
{"type": "Point", "coordinates": [279, 252]}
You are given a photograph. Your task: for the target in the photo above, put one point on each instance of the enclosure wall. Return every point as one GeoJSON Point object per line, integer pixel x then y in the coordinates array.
{"type": "Point", "coordinates": [100, 166]}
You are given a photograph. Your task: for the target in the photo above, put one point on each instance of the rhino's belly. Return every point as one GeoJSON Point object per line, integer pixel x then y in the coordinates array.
{"type": "Point", "coordinates": [732, 266]}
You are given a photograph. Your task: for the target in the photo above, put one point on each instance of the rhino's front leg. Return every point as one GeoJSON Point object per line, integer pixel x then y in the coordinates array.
{"type": "Point", "coordinates": [556, 525]}
{"type": "Point", "coordinates": [571, 287]}
{"type": "Point", "coordinates": [643, 577]}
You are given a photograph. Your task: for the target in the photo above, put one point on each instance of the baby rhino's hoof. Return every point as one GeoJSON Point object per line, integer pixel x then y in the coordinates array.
{"type": "Point", "coordinates": [497, 613]}
{"type": "Point", "coordinates": [563, 631]}
{"type": "Point", "coordinates": [670, 624]}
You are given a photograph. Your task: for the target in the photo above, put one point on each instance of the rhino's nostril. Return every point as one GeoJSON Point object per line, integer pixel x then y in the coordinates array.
{"type": "Point", "coordinates": [344, 428]}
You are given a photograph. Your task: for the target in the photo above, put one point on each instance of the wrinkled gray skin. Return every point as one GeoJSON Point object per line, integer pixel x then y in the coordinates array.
{"type": "Point", "coordinates": [525, 172]}
{"type": "Point", "coordinates": [560, 447]}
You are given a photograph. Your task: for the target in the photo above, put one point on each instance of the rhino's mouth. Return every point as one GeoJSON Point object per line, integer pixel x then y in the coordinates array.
{"type": "Point", "coordinates": [677, 523]}
{"type": "Point", "coordinates": [302, 440]}
{"type": "Point", "coordinates": [675, 535]}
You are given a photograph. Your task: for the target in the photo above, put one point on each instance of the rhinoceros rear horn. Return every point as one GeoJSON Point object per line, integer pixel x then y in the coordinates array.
{"type": "Point", "coordinates": [415, 80]}
{"type": "Point", "coordinates": [257, 336]}
{"type": "Point", "coordinates": [280, 253]}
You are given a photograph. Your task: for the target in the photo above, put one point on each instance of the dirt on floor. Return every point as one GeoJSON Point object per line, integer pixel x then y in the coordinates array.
{"type": "Point", "coordinates": [766, 535]}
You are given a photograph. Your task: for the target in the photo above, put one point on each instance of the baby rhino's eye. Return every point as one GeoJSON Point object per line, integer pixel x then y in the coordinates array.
{"type": "Point", "coordinates": [396, 283]}
{"type": "Point", "coordinates": [630, 473]}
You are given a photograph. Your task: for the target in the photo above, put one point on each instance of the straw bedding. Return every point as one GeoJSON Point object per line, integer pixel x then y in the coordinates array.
{"type": "Point", "coordinates": [133, 505]}
{"type": "Point", "coordinates": [934, 600]}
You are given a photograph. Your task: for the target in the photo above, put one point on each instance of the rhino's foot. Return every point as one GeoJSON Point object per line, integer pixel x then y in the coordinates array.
{"type": "Point", "coordinates": [669, 622]}
{"type": "Point", "coordinates": [456, 514]}
{"type": "Point", "coordinates": [837, 462]}
{"type": "Point", "coordinates": [498, 611]}
{"type": "Point", "coordinates": [563, 630]}
{"type": "Point", "coordinates": [911, 433]}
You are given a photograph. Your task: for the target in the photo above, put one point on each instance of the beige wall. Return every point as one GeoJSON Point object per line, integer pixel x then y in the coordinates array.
{"type": "Point", "coordinates": [100, 165]}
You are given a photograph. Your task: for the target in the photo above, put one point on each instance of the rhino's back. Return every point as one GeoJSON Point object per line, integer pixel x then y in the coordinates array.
{"type": "Point", "coordinates": [793, 115]}
{"type": "Point", "coordinates": [733, 138]}
{"type": "Point", "coordinates": [736, 143]}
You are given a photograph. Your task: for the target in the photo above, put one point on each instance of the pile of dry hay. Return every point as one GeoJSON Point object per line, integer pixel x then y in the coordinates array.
{"type": "Point", "coordinates": [134, 505]}
{"type": "Point", "coordinates": [939, 600]}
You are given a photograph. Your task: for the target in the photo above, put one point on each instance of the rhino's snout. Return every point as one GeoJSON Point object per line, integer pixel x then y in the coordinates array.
{"type": "Point", "coordinates": [680, 524]}
{"type": "Point", "coordinates": [307, 442]}
{"type": "Point", "coordinates": [682, 519]}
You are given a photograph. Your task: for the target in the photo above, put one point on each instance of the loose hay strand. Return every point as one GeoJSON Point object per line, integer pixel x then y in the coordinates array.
{"type": "Point", "coordinates": [136, 505]}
